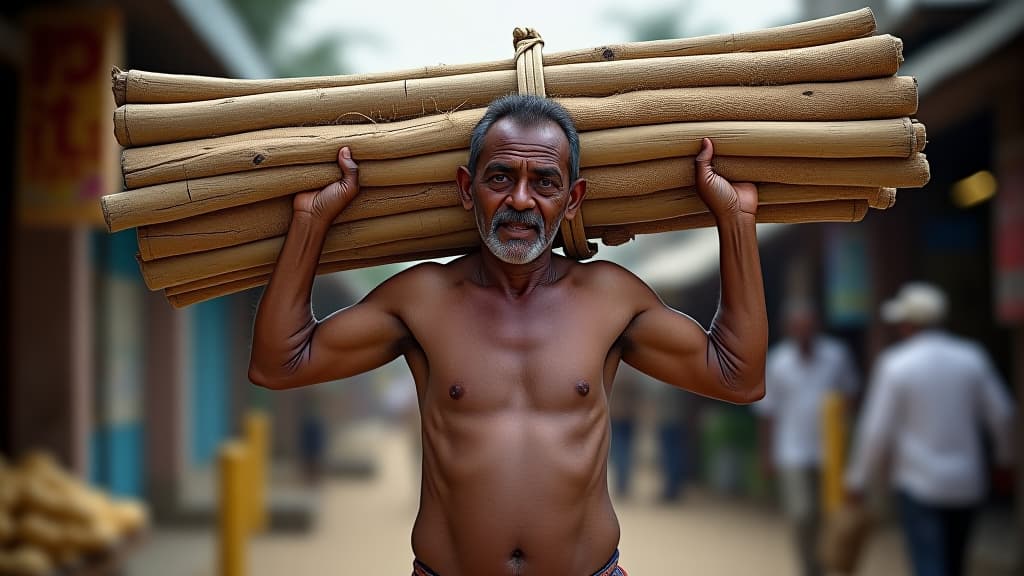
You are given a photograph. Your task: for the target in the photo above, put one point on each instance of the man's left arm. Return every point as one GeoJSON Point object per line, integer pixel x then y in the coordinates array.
{"type": "Point", "coordinates": [727, 361]}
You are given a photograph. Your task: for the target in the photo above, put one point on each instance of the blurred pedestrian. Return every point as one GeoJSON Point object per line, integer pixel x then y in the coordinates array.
{"type": "Point", "coordinates": [624, 410]}
{"type": "Point", "coordinates": [312, 438]}
{"type": "Point", "coordinates": [929, 395]}
{"type": "Point", "coordinates": [801, 371]}
{"type": "Point", "coordinates": [673, 410]}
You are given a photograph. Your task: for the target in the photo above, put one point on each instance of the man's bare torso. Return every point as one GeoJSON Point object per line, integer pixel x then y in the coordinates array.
{"type": "Point", "coordinates": [514, 402]}
{"type": "Point", "coordinates": [514, 350]}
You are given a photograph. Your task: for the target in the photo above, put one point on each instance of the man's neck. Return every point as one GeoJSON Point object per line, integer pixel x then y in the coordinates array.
{"type": "Point", "coordinates": [516, 280]}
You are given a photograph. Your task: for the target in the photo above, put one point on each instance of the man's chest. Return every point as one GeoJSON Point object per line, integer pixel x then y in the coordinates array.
{"type": "Point", "coordinates": [546, 353]}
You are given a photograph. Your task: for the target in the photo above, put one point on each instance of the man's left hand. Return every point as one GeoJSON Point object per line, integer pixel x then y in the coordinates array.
{"type": "Point", "coordinates": [722, 197]}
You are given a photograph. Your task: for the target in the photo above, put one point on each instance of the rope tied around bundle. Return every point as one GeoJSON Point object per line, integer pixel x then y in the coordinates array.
{"type": "Point", "coordinates": [530, 80]}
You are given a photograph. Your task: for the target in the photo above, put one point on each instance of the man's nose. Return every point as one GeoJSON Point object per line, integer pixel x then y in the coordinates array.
{"type": "Point", "coordinates": [520, 197]}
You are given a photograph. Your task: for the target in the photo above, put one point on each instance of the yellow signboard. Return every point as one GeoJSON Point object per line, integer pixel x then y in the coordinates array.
{"type": "Point", "coordinates": [67, 155]}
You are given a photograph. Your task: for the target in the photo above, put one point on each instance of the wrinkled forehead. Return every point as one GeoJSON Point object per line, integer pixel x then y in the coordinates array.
{"type": "Point", "coordinates": [541, 142]}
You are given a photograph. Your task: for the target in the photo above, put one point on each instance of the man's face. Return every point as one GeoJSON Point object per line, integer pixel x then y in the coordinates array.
{"type": "Point", "coordinates": [521, 189]}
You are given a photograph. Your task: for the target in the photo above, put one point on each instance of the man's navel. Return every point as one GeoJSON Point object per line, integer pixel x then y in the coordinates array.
{"type": "Point", "coordinates": [516, 562]}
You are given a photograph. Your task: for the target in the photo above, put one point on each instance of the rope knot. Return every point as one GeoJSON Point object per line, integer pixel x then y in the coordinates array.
{"type": "Point", "coordinates": [530, 80]}
{"type": "Point", "coordinates": [525, 38]}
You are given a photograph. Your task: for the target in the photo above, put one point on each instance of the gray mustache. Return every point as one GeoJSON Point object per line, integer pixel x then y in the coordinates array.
{"type": "Point", "coordinates": [512, 216]}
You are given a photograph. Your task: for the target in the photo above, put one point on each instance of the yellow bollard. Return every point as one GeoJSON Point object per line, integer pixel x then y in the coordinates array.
{"type": "Point", "coordinates": [233, 530]}
{"type": "Point", "coordinates": [257, 433]}
{"type": "Point", "coordinates": [833, 428]}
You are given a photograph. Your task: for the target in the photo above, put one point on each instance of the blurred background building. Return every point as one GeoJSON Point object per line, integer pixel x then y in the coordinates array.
{"type": "Point", "coordinates": [137, 397]}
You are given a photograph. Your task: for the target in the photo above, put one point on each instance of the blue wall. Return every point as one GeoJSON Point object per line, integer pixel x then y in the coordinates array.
{"type": "Point", "coordinates": [210, 390]}
{"type": "Point", "coordinates": [116, 456]}
{"type": "Point", "coordinates": [117, 462]}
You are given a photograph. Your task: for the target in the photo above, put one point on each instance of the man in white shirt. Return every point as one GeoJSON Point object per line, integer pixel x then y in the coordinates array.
{"type": "Point", "coordinates": [929, 396]}
{"type": "Point", "coordinates": [800, 372]}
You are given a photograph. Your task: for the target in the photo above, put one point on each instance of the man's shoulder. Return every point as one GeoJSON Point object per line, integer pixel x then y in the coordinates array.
{"type": "Point", "coordinates": [928, 346]}
{"type": "Point", "coordinates": [604, 273]}
{"type": "Point", "coordinates": [897, 356]}
{"type": "Point", "coordinates": [969, 353]}
{"type": "Point", "coordinates": [422, 277]}
{"type": "Point", "coordinates": [602, 276]}
{"type": "Point", "coordinates": [920, 353]}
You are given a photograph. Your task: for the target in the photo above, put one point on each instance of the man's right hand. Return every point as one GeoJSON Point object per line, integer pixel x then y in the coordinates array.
{"type": "Point", "coordinates": [325, 205]}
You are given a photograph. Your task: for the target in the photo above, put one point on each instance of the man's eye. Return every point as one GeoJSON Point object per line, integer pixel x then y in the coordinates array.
{"type": "Point", "coordinates": [499, 178]}
{"type": "Point", "coordinates": [547, 186]}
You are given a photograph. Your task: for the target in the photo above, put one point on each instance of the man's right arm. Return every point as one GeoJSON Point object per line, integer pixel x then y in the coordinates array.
{"type": "Point", "coordinates": [290, 347]}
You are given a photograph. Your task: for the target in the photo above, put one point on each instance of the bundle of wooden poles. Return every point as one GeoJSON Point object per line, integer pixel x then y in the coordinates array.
{"type": "Point", "coordinates": [814, 112]}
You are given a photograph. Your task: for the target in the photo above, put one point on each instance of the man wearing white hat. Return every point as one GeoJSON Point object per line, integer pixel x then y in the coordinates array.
{"type": "Point", "coordinates": [929, 397]}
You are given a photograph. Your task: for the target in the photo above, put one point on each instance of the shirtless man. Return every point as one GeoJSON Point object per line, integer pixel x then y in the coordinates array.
{"type": "Point", "coordinates": [514, 349]}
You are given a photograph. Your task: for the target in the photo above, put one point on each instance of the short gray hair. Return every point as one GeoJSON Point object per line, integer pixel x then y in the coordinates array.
{"type": "Point", "coordinates": [526, 110]}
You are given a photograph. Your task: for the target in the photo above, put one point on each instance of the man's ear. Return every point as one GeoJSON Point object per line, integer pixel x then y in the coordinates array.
{"type": "Point", "coordinates": [576, 194]}
{"type": "Point", "coordinates": [465, 184]}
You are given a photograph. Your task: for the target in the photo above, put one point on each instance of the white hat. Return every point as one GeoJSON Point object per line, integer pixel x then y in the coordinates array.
{"type": "Point", "coordinates": [917, 303]}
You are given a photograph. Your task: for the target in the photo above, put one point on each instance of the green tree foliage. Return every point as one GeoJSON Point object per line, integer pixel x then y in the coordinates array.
{"type": "Point", "coordinates": [666, 22]}
{"type": "Point", "coordinates": [265, 20]}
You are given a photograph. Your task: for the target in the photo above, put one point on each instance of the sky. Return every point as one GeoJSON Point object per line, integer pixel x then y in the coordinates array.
{"type": "Point", "coordinates": [400, 34]}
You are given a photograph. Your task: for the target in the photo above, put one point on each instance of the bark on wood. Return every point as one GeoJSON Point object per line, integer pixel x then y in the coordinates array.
{"type": "Point", "coordinates": [832, 211]}
{"type": "Point", "coordinates": [260, 220]}
{"type": "Point", "coordinates": [144, 124]}
{"type": "Point", "coordinates": [427, 224]}
{"type": "Point", "coordinates": [892, 97]}
{"type": "Point", "coordinates": [150, 87]}
{"type": "Point", "coordinates": [894, 138]}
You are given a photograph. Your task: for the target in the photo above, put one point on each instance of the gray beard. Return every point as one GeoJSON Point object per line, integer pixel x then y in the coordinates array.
{"type": "Point", "coordinates": [516, 251]}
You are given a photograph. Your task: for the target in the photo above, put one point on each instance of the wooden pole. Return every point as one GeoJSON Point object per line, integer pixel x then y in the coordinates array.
{"type": "Point", "coordinates": [144, 124]}
{"type": "Point", "coordinates": [186, 298]}
{"type": "Point", "coordinates": [151, 87]}
{"type": "Point", "coordinates": [893, 138]}
{"type": "Point", "coordinates": [270, 218]}
{"type": "Point", "coordinates": [460, 242]}
{"type": "Point", "coordinates": [375, 237]}
{"type": "Point", "coordinates": [833, 426]}
{"type": "Point", "coordinates": [450, 244]}
{"type": "Point", "coordinates": [892, 97]}
{"type": "Point", "coordinates": [831, 211]}
{"type": "Point", "coordinates": [362, 234]}
{"type": "Point", "coordinates": [232, 518]}
{"type": "Point", "coordinates": [257, 432]}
